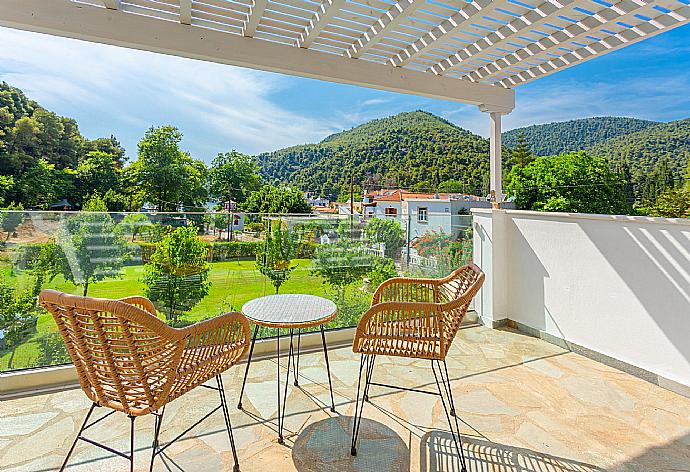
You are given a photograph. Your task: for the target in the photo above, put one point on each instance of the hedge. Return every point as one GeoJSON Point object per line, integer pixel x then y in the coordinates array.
{"type": "Point", "coordinates": [218, 251]}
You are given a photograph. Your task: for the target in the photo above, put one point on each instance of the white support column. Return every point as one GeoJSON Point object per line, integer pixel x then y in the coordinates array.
{"type": "Point", "coordinates": [495, 167]}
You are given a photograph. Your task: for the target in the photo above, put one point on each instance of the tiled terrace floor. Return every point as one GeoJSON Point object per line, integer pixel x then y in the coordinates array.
{"type": "Point", "coordinates": [528, 406]}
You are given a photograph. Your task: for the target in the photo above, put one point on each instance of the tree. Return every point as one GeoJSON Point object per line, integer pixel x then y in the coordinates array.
{"type": "Point", "coordinates": [6, 184]}
{"type": "Point", "coordinates": [133, 223]}
{"type": "Point", "coordinates": [97, 173]}
{"type": "Point", "coordinates": [274, 259]}
{"type": "Point", "coordinates": [521, 154]}
{"type": "Point", "coordinates": [233, 176]}
{"type": "Point", "coordinates": [93, 245]}
{"type": "Point", "coordinates": [17, 315]}
{"type": "Point", "coordinates": [168, 176]}
{"type": "Point", "coordinates": [39, 186]}
{"type": "Point", "coordinates": [270, 199]}
{"type": "Point", "coordinates": [451, 186]}
{"type": "Point", "coordinates": [176, 278]}
{"type": "Point", "coordinates": [388, 232]}
{"type": "Point", "coordinates": [11, 219]}
{"type": "Point", "coordinates": [672, 203]}
{"type": "Point", "coordinates": [574, 182]}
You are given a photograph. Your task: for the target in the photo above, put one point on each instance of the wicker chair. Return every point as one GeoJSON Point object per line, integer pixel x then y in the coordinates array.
{"type": "Point", "coordinates": [415, 318]}
{"type": "Point", "coordinates": [130, 361]}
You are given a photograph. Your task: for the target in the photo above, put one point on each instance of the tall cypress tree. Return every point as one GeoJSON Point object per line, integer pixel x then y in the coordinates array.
{"type": "Point", "coordinates": [521, 155]}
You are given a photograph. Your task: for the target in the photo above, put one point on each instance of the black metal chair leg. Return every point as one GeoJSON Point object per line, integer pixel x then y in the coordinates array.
{"type": "Point", "coordinates": [156, 434]}
{"type": "Point", "coordinates": [328, 367]}
{"type": "Point", "coordinates": [226, 415]}
{"type": "Point", "coordinates": [131, 443]}
{"type": "Point", "coordinates": [74, 444]}
{"type": "Point", "coordinates": [446, 408]}
{"type": "Point", "coordinates": [358, 407]}
{"type": "Point", "coordinates": [370, 373]}
{"type": "Point", "coordinates": [249, 361]}
{"type": "Point", "coordinates": [450, 392]}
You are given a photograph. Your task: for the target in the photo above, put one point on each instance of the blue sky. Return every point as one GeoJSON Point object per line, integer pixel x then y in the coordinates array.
{"type": "Point", "coordinates": [111, 90]}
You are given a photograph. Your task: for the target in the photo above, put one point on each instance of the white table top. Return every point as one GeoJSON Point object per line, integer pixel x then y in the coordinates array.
{"type": "Point", "coordinates": [289, 310]}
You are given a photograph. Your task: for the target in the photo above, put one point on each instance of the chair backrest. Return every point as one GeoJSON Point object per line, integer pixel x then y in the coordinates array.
{"type": "Point", "coordinates": [456, 293]}
{"type": "Point", "coordinates": [125, 357]}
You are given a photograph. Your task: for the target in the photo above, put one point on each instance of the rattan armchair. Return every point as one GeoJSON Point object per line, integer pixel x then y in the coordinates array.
{"type": "Point", "coordinates": [415, 318]}
{"type": "Point", "coordinates": [130, 361]}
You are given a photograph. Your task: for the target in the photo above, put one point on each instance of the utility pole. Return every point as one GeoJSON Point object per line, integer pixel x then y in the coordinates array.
{"type": "Point", "coordinates": [352, 204]}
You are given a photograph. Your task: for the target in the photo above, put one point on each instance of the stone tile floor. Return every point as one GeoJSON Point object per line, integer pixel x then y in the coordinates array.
{"type": "Point", "coordinates": [526, 406]}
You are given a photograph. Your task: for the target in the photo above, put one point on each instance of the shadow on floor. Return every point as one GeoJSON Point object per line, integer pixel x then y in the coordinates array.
{"type": "Point", "coordinates": [324, 446]}
{"type": "Point", "coordinates": [438, 454]}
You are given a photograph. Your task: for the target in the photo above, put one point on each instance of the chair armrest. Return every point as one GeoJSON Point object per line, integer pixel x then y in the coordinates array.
{"type": "Point", "coordinates": [401, 321]}
{"type": "Point", "coordinates": [140, 302]}
{"type": "Point", "coordinates": [406, 289]}
{"type": "Point", "coordinates": [226, 336]}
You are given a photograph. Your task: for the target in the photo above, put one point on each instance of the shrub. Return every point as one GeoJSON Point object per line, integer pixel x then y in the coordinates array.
{"type": "Point", "coordinates": [225, 251]}
{"type": "Point", "coordinates": [305, 250]}
{"type": "Point", "coordinates": [387, 232]}
{"type": "Point", "coordinates": [341, 263]}
{"type": "Point", "coordinates": [381, 270]}
{"type": "Point", "coordinates": [448, 252]}
{"type": "Point", "coordinates": [255, 227]}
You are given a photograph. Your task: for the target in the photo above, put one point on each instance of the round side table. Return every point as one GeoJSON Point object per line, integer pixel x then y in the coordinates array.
{"type": "Point", "coordinates": [291, 312]}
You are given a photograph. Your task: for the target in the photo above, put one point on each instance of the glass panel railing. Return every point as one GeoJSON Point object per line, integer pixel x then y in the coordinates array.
{"type": "Point", "coordinates": [195, 266]}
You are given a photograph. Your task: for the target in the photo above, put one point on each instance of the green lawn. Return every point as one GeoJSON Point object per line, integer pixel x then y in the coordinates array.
{"type": "Point", "coordinates": [232, 285]}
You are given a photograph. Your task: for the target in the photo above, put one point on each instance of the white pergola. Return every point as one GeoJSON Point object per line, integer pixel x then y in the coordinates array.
{"type": "Point", "coordinates": [473, 52]}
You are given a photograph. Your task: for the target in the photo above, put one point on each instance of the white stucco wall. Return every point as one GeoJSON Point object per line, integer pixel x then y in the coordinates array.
{"type": "Point", "coordinates": [614, 284]}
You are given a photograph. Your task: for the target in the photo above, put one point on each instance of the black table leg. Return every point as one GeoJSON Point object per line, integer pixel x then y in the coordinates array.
{"type": "Point", "coordinates": [328, 368]}
{"type": "Point", "coordinates": [281, 418]}
{"type": "Point", "coordinates": [280, 424]}
{"type": "Point", "coordinates": [246, 370]}
{"type": "Point", "coordinates": [296, 364]}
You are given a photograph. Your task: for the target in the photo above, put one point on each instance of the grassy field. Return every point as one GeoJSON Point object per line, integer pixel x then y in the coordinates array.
{"type": "Point", "coordinates": [232, 285]}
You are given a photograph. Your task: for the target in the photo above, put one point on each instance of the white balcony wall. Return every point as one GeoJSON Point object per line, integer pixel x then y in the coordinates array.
{"type": "Point", "coordinates": [616, 285]}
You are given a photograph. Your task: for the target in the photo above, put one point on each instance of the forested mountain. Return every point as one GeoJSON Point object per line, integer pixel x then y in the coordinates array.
{"type": "Point", "coordinates": [412, 150]}
{"type": "Point", "coordinates": [555, 138]}
{"type": "Point", "coordinates": [652, 158]}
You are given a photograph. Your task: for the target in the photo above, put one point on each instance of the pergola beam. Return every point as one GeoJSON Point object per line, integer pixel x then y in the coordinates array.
{"type": "Point", "coordinates": [90, 23]}
{"type": "Point", "coordinates": [377, 31]}
{"type": "Point", "coordinates": [325, 13]}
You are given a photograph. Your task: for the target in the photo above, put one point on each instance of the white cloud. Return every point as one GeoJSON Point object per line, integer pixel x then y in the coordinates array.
{"type": "Point", "coordinates": [123, 91]}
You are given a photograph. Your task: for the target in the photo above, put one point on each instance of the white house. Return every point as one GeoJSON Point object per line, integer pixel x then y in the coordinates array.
{"type": "Point", "coordinates": [419, 213]}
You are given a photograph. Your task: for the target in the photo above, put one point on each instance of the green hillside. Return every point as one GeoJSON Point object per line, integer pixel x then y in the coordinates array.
{"type": "Point", "coordinates": [658, 152]}
{"type": "Point", "coordinates": [565, 136]}
{"type": "Point", "coordinates": [413, 149]}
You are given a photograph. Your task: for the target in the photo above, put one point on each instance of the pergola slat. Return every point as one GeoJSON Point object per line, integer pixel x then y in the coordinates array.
{"type": "Point", "coordinates": [256, 11]}
{"type": "Point", "coordinates": [500, 43]}
{"type": "Point", "coordinates": [387, 21]}
{"type": "Point", "coordinates": [325, 13]}
{"type": "Point", "coordinates": [625, 11]}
